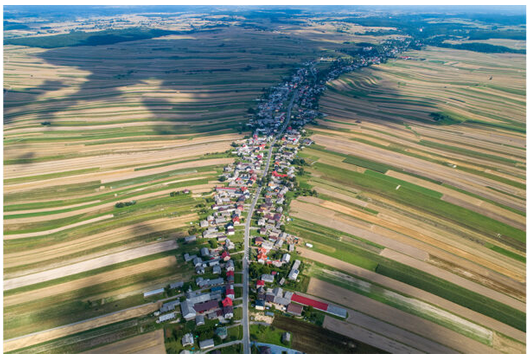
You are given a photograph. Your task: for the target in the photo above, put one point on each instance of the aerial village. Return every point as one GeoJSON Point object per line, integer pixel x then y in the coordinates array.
{"type": "Point", "coordinates": [274, 266]}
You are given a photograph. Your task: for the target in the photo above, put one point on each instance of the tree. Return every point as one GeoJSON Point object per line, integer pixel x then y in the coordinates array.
{"type": "Point", "coordinates": [222, 178]}
{"type": "Point", "coordinates": [213, 243]}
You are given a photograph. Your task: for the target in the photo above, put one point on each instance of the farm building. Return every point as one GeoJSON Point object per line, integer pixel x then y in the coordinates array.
{"type": "Point", "coordinates": [206, 344]}
{"type": "Point", "coordinates": [309, 302]}
{"type": "Point", "coordinates": [153, 292]}
{"type": "Point", "coordinates": [267, 278]}
{"type": "Point", "coordinates": [169, 306]}
{"type": "Point", "coordinates": [337, 311]}
{"type": "Point", "coordinates": [166, 317]}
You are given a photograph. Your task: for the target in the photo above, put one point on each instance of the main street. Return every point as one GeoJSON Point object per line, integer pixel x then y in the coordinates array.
{"type": "Point", "coordinates": [245, 294]}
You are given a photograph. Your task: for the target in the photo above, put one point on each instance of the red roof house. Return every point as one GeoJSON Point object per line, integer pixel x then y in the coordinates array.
{"type": "Point", "coordinates": [227, 302]}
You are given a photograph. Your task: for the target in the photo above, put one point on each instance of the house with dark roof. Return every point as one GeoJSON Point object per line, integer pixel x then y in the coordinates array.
{"type": "Point", "coordinates": [207, 306]}
{"type": "Point", "coordinates": [295, 309]}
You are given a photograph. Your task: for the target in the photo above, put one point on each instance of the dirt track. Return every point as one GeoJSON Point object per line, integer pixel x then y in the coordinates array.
{"type": "Point", "coordinates": [149, 343]}
{"type": "Point", "coordinates": [50, 334]}
{"type": "Point", "coordinates": [396, 317]}
{"type": "Point", "coordinates": [88, 281]}
{"type": "Point", "coordinates": [89, 264]}
{"type": "Point", "coordinates": [414, 292]}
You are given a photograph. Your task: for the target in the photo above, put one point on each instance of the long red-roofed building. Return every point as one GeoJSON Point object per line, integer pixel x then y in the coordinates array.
{"type": "Point", "coordinates": [309, 302]}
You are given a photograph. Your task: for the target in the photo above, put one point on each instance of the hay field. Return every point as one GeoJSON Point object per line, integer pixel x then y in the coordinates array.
{"type": "Point", "coordinates": [431, 208]}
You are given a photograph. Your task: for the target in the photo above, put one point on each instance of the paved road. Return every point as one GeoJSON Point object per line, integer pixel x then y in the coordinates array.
{"type": "Point", "coordinates": [245, 278]}
{"type": "Point", "coordinates": [222, 346]}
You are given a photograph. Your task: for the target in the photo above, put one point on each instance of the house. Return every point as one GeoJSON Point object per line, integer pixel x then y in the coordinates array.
{"type": "Point", "coordinates": [188, 257]}
{"type": "Point", "coordinates": [200, 320]}
{"type": "Point", "coordinates": [227, 302]}
{"type": "Point", "coordinates": [216, 270]}
{"type": "Point", "coordinates": [188, 339]}
{"type": "Point", "coordinates": [200, 270]}
{"type": "Point", "coordinates": [221, 332]}
{"type": "Point", "coordinates": [230, 293]}
{"type": "Point", "coordinates": [228, 312]}
{"type": "Point", "coordinates": [190, 238]}
{"type": "Point", "coordinates": [166, 317]}
{"type": "Point", "coordinates": [206, 344]}
{"type": "Point", "coordinates": [225, 256]}
{"type": "Point", "coordinates": [295, 309]}
{"type": "Point", "coordinates": [260, 283]}
{"type": "Point", "coordinates": [214, 262]}
{"type": "Point", "coordinates": [267, 245]}
{"type": "Point", "coordinates": [204, 224]}
{"type": "Point", "coordinates": [175, 285]}
{"type": "Point", "coordinates": [197, 262]}
{"type": "Point", "coordinates": [187, 310]}
{"type": "Point", "coordinates": [230, 265]}
{"type": "Point", "coordinates": [286, 258]}
{"type": "Point", "coordinates": [267, 278]}
{"type": "Point", "coordinates": [260, 305]}
{"type": "Point", "coordinates": [205, 253]}
{"type": "Point", "coordinates": [286, 338]}
{"type": "Point", "coordinates": [207, 306]}
{"type": "Point", "coordinates": [258, 240]}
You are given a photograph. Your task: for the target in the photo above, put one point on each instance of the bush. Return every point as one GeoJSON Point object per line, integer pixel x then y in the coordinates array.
{"type": "Point", "coordinates": [125, 204]}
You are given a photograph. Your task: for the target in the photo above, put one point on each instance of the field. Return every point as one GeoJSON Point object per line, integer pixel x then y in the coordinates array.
{"type": "Point", "coordinates": [419, 166]}
{"type": "Point", "coordinates": [149, 343]}
{"type": "Point", "coordinates": [116, 129]}
{"type": "Point", "coordinates": [121, 116]}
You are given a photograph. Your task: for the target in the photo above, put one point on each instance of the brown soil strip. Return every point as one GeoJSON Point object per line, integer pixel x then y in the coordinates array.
{"type": "Point", "coordinates": [149, 343]}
